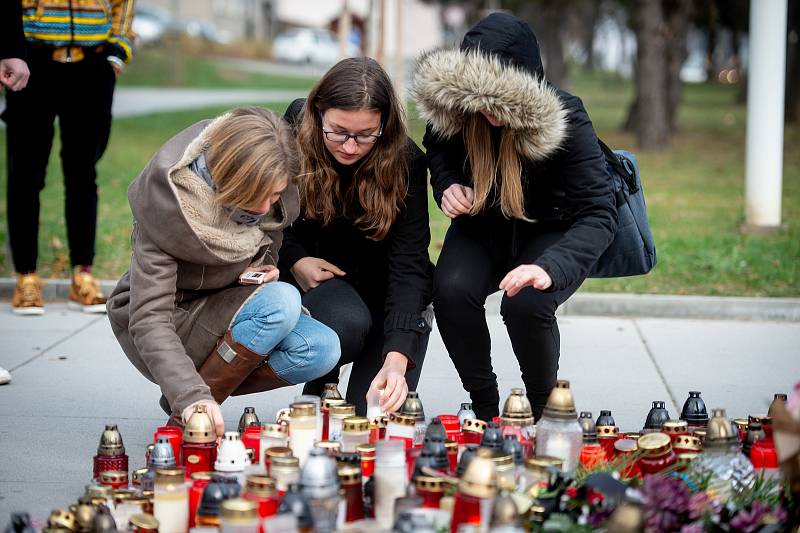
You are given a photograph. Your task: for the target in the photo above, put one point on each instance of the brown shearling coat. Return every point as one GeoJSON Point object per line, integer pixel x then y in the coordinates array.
{"type": "Point", "coordinates": [181, 292]}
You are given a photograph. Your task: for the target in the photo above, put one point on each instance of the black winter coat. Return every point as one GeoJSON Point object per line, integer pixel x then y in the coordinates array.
{"type": "Point", "coordinates": [393, 276]}
{"type": "Point", "coordinates": [565, 184]}
{"type": "Point", "coordinates": [12, 39]}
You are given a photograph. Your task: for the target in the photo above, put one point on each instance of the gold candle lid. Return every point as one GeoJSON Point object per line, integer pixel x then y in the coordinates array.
{"type": "Point", "coordinates": [331, 392]}
{"type": "Point", "coordinates": [504, 511]}
{"type": "Point", "coordinates": [201, 475]}
{"type": "Point", "coordinates": [560, 403]}
{"type": "Point", "coordinates": [357, 423]}
{"type": "Point", "coordinates": [277, 451]}
{"type": "Point", "coordinates": [123, 493]}
{"type": "Point", "coordinates": [779, 397]}
{"type": "Point", "coordinates": [412, 406]}
{"type": "Point", "coordinates": [541, 463]}
{"type": "Point", "coordinates": [98, 491]}
{"type": "Point", "coordinates": [741, 424]}
{"type": "Point", "coordinates": [302, 409]}
{"type": "Point", "coordinates": [144, 521]}
{"type": "Point", "coordinates": [173, 475]}
{"type": "Point", "coordinates": [480, 478]}
{"type": "Point", "coordinates": [261, 486]}
{"type": "Point", "coordinates": [327, 403]}
{"type": "Point", "coordinates": [366, 447]}
{"type": "Point", "coordinates": [62, 519]}
{"type": "Point", "coordinates": [381, 421]}
{"type": "Point", "coordinates": [689, 442]}
{"type": "Point", "coordinates": [330, 446]}
{"type": "Point", "coordinates": [111, 441]}
{"type": "Point", "coordinates": [239, 509]}
{"type": "Point", "coordinates": [349, 475]}
{"type": "Point", "coordinates": [284, 462]}
{"type": "Point", "coordinates": [627, 518]}
{"type": "Point", "coordinates": [199, 428]}
{"type": "Point", "coordinates": [720, 432]}
{"type": "Point", "coordinates": [500, 458]}
{"type": "Point", "coordinates": [675, 427]}
{"type": "Point", "coordinates": [430, 483]}
{"type": "Point", "coordinates": [451, 446]}
{"type": "Point", "coordinates": [84, 514]}
{"type": "Point", "coordinates": [684, 459]}
{"type": "Point", "coordinates": [403, 420]}
{"type": "Point", "coordinates": [517, 409]}
{"type": "Point", "coordinates": [655, 444]}
{"type": "Point", "coordinates": [342, 410]}
{"type": "Point", "coordinates": [626, 446]}
{"type": "Point", "coordinates": [474, 425]}
{"type": "Point", "coordinates": [277, 431]}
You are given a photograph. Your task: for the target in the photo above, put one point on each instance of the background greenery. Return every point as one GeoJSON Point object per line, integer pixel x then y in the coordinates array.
{"type": "Point", "coordinates": [694, 190]}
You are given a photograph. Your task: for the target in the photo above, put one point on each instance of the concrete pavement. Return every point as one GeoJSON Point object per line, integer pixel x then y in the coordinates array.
{"type": "Point", "coordinates": [70, 378]}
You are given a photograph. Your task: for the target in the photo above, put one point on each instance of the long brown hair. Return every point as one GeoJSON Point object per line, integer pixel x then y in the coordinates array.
{"type": "Point", "coordinates": [380, 181]}
{"type": "Point", "coordinates": [249, 154]}
{"type": "Point", "coordinates": [486, 166]}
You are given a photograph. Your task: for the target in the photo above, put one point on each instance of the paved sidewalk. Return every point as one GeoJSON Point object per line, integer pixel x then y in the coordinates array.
{"type": "Point", "coordinates": [70, 378]}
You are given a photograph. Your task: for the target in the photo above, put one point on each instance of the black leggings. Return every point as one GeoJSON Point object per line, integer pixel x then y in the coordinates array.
{"type": "Point", "coordinates": [476, 255]}
{"type": "Point", "coordinates": [336, 304]}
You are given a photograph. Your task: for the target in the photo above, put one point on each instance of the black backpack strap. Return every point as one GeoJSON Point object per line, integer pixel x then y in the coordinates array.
{"type": "Point", "coordinates": [623, 170]}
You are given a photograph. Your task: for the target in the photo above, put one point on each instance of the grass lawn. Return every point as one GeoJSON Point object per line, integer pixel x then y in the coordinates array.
{"type": "Point", "coordinates": [695, 190]}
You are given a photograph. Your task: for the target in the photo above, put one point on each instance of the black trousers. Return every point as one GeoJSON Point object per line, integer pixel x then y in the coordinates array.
{"type": "Point", "coordinates": [336, 304]}
{"type": "Point", "coordinates": [476, 255]}
{"type": "Point", "coordinates": [80, 95]}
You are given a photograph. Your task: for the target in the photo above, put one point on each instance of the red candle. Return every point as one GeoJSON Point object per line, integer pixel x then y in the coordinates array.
{"type": "Point", "coordinates": [592, 455]}
{"type": "Point", "coordinates": [261, 489]}
{"type": "Point", "coordinates": [452, 427]}
{"type": "Point", "coordinates": [367, 454]}
{"type": "Point", "coordinates": [763, 455]}
{"type": "Point", "coordinates": [431, 490]}
{"type": "Point", "coordinates": [467, 510]}
{"type": "Point", "coordinates": [350, 481]}
{"type": "Point", "coordinates": [657, 454]}
{"type": "Point", "coordinates": [251, 438]}
{"type": "Point", "coordinates": [472, 431]}
{"type": "Point", "coordinates": [452, 455]}
{"type": "Point", "coordinates": [199, 445]}
{"type": "Point", "coordinates": [175, 436]}
{"type": "Point", "coordinates": [111, 455]}
{"type": "Point", "coordinates": [199, 482]}
{"type": "Point", "coordinates": [607, 436]}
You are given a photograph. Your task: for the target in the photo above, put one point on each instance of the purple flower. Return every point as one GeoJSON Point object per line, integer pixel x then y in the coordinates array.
{"type": "Point", "coordinates": [700, 505]}
{"type": "Point", "coordinates": [694, 527]}
{"type": "Point", "coordinates": [598, 518]}
{"type": "Point", "coordinates": [750, 520]}
{"type": "Point", "coordinates": [666, 499]}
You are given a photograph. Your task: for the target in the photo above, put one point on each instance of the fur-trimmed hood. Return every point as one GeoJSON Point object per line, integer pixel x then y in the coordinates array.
{"type": "Point", "coordinates": [497, 68]}
{"type": "Point", "coordinates": [176, 208]}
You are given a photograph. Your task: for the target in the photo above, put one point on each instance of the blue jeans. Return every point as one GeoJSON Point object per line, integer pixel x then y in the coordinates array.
{"type": "Point", "coordinates": [272, 323]}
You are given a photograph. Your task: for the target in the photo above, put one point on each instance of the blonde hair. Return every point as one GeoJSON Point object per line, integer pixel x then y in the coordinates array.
{"type": "Point", "coordinates": [249, 154]}
{"type": "Point", "coordinates": [380, 183]}
{"type": "Point", "coordinates": [485, 167]}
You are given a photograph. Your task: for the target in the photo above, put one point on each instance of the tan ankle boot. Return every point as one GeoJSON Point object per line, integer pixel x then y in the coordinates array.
{"type": "Point", "coordinates": [228, 366]}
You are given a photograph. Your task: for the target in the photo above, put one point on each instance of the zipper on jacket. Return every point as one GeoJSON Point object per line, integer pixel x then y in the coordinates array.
{"type": "Point", "coordinates": [71, 32]}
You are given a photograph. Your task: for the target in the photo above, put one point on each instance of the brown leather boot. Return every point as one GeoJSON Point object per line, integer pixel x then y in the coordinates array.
{"type": "Point", "coordinates": [228, 366]}
{"type": "Point", "coordinates": [262, 379]}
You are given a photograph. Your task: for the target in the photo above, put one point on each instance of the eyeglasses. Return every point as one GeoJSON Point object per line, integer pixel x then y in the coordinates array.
{"type": "Point", "coordinates": [341, 137]}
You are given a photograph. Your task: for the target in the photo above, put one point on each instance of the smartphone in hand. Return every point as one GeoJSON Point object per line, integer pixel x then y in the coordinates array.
{"type": "Point", "coordinates": [252, 278]}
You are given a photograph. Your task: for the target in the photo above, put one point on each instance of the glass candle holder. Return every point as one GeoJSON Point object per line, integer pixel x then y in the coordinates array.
{"type": "Point", "coordinates": [262, 491]}
{"type": "Point", "coordinates": [401, 427]}
{"type": "Point", "coordinates": [592, 455]}
{"type": "Point", "coordinates": [452, 427]}
{"type": "Point", "coordinates": [110, 453]}
{"type": "Point", "coordinates": [273, 436]}
{"type": "Point", "coordinates": [143, 523]}
{"type": "Point", "coordinates": [472, 431]}
{"type": "Point", "coordinates": [657, 454]}
{"type": "Point", "coordinates": [248, 418]}
{"type": "Point", "coordinates": [286, 472]}
{"type": "Point", "coordinates": [476, 489]}
{"type": "Point", "coordinates": [355, 431]}
{"type": "Point", "coordinates": [171, 500]}
{"type": "Point", "coordinates": [465, 413]}
{"type": "Point", "coordinates": [239, 516]}
{"type": "Point", "coordinates": [232, 457]}
{"type": "Point", "coordinates": [271, 453]}
{"type": "Point", "coordinates": [627, 449]}
{"type": "Point", "coordinates": [353, 498]}
{"type": "Point", "coordinates": [390, 478]}
{"type": "Point", "coordinates": [317, 401]}
{"type": "Point", "coordinates": [367, 454]}
{"type": "Point", "coordinates": [175, 437]}
{"type": "Point", "coordinates": [251, 438]}
{"type": "Point", "coordinates": [302, 429]}
{"type": "Point", "coordinates": [338, 413]}
{"type": "Point", "coordinates": [199, 481]}
{"type": "Point", "coordinates": [327, 403]}
{"type": "Point", "coordinates": [431, 490]}
{"type": "Point", "coordinates": [452, 455]}
{"type": "Point", "coordinates": [199, 446]}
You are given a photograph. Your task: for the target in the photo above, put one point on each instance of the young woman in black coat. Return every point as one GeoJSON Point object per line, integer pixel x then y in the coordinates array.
{"type": "Point", "coordinates": [359, 250]}
{"type": "Point", "coordinates": [515, 163]}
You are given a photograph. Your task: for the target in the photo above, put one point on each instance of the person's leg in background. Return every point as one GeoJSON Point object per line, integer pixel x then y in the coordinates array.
{"type": "Point", "coordinates": [532, 326]}
{"type": "Point", "coordinates": [29, 117]}
{"type": "Point", "coordinates": [464, 277]}
{"type": "Point", "coordinates": [336, 304]}
{"type": "Point", "coordinates": [85, 121]}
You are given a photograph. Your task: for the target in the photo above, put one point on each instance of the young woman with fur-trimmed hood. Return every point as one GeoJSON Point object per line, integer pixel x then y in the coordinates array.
{"type": "Point", "coordinates": [515, 163]}
{"type": "Point", "coordinates": [209, 207]}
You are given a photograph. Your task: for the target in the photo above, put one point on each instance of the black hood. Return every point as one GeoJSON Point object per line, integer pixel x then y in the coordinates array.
{"type": "Point", "coordinates": [509, 38]}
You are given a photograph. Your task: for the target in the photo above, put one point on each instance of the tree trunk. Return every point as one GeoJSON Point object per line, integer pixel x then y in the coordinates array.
{"type": "Point", "coordinates": [547, 19]}
{"type": "Point", "coordinates": [676, 17]}
{"type": "Point", "coordinates": [711, 45]}
{"type": "Point", "coordinates": [793, 65]}
{"type": "Point", "coordinates": [651, 118]}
